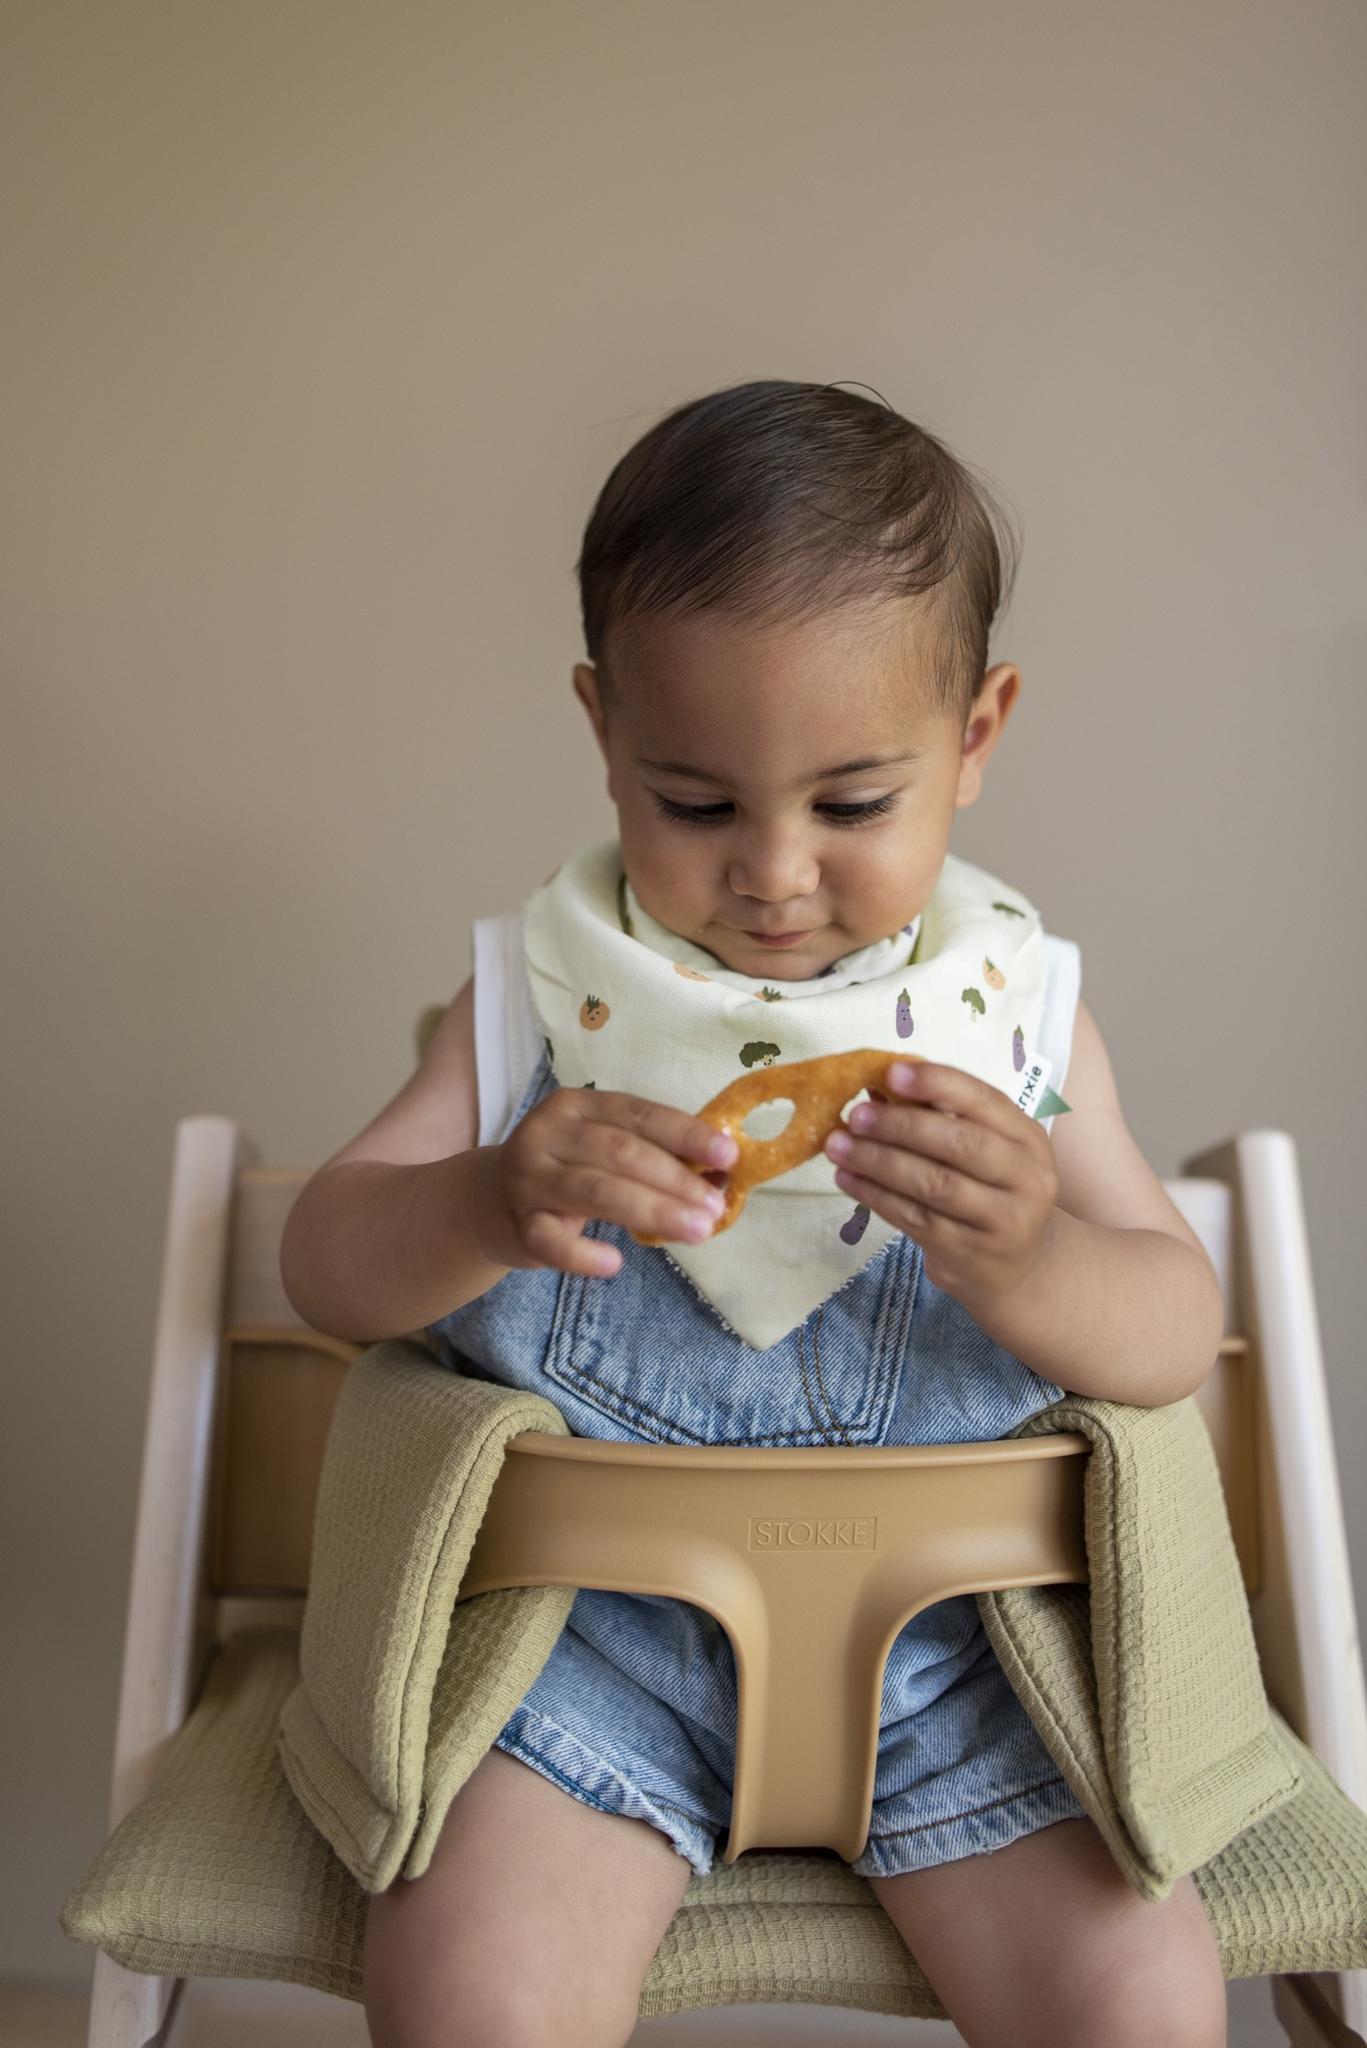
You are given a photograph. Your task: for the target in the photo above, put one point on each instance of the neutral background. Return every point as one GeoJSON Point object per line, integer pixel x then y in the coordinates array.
{"type": "Point", "coordinates": [324, 325]}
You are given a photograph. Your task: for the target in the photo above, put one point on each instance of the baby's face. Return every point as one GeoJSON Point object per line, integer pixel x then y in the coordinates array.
{"type": "Point", "coordinates": [784, 794]}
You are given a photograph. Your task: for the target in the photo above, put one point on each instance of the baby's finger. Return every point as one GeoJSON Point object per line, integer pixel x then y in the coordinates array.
{"type": "Point", "coordinates": [644, 1211]}
{"type": "Point", "coordinates": [557, 1241]}
{"type": "Point", "coordinates": [976, 1149]}
{"type": "Point", "coordinates": [961, 1093]}
{"type": "Point", "coordinates": [685, 1136]}
{"type": "Point", "coordinates": [633, 1155]}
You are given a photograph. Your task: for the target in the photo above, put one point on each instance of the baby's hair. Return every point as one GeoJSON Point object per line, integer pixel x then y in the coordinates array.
{"type": "Point", "coordinates": [778, 501]}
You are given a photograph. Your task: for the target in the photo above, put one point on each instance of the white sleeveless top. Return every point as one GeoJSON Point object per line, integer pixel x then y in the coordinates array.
{"type": "Point", "coordinates": [508, 1041]}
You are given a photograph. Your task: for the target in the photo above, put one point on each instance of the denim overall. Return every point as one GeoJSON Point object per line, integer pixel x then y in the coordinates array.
{"type": "Point", "coordinates": [634, 1711]}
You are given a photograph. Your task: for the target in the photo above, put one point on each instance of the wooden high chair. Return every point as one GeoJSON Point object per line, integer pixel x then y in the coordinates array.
{"type": "Point", "coordinates": [240, 1401]}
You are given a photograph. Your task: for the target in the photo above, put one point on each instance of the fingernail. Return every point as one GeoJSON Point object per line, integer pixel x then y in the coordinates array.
{"type": "Point", "coordinates": [715, 1200]}
{"type": "Point", "coordinates": [861, 1116]}
{"type": "Point", "coordinates": [699, 1223]}
{"type": "Point", "coordinates": [840, 1144]}
{"type": "Point", "coordinates": [900, 1075]}
{"type": "Point", "coordinates": [723, 1149]}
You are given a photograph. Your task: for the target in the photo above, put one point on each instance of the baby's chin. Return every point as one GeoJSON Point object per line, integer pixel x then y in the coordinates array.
{"type": "Point", "coordinates": [801, 962]}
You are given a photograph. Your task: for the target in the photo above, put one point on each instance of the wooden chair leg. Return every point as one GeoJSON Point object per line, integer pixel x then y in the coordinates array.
{"type": "Point", "coordinates": [129, 2009]}
{"type": "Point", "coordinates": [1308, 2017]}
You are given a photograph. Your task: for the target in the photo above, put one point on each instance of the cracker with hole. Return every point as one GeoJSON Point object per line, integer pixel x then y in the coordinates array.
{"type": "Point", "coordinates": [818, 1090]}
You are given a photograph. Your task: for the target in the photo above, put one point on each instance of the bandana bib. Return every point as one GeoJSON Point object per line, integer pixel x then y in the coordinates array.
{"type": "Point", "coordinates": [627, 1004]}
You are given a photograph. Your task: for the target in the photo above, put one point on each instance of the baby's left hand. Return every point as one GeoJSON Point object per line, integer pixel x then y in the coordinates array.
{"type": "Point", "coordinates": [976, 1188]}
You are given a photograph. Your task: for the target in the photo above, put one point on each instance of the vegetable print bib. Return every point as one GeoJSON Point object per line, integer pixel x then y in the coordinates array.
{"type": "Point", "coordinates": [627, 1004]}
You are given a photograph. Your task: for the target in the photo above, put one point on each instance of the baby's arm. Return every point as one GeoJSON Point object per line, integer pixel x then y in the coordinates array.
{"type": "Point", "coordinates": [414, 1219]}
{"type": "Point", "coordinates": [381, 1241]}
{"type": "Point", "coordinates": [1125, 1304]}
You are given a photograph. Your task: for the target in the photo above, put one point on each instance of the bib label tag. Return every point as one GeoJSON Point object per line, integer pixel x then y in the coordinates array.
{"type": "Point", "coordinates": [1034, 1080]}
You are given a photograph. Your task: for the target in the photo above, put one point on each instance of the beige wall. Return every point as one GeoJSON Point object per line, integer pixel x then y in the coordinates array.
{"type": "Point", "coordinates": [325, 324]}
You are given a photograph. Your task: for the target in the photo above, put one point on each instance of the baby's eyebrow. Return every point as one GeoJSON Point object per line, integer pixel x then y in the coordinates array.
{"type": "Point", "coordinates": [803, 782]}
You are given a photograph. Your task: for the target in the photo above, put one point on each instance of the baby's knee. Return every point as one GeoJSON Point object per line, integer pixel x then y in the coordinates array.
{"type": "Point", "coordinates": [1136, 2001]}
{"type": "Point", "coordinates": [488, 2014]}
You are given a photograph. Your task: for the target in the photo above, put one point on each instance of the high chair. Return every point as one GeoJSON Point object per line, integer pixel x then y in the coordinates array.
{"type": "Point", "coordinates": [240, 1401]}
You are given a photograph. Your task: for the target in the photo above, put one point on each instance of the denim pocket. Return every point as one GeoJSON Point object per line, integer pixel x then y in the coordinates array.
{"type": "Point", "coordinates": [645, 1349]}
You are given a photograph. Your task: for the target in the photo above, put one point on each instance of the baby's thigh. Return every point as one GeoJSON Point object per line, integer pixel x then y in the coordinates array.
{"type": "Point", "coordinates": [536, 1920]}
{"type": "Point", "coordinates": [1045, 1944]}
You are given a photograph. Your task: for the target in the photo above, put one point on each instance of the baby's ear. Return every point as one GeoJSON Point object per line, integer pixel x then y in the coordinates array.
{"type": "Point", "coordinates": [586, 689]}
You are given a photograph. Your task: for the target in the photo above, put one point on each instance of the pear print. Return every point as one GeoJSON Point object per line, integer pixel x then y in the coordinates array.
{"type": "Point", "coordinates": [759, 1053]}
{"type": "Point", "coordinates": [974, 998]}
{"type": "Point", "coordinates": [993, 976]}
{"type": "Point", "coordinates": [904, 1024]}
{"type": "Point", "coordinates": [594, 1015]}
{"type": "Point", "coordinates": [768, 995]}
{"type": "Point", "coordinates": [690, 973]}
{"type": "Point", "coordinates": [854, 1227]}
{"type": "Point", "coordinates": [1018, 1048]}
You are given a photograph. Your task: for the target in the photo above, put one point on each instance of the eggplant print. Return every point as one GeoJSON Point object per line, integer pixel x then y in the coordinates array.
{"type": "Point", "coordinates": [853, 1229]}
{"type": "Point", "coordinates": [904, 1024]}
{"type": "Point", "coordinates": [1018, 1049]}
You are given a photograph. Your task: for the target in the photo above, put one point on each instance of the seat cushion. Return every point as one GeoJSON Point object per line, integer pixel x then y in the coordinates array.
{"type": "Point", "coordinates": [217, 1872]}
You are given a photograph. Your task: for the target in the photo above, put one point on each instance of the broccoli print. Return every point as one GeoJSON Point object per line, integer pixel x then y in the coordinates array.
{"type": "Point", "coordinates": [993, 976]}
{"type": "Point", "coordinates": [758, 1053]}
{"type": "Point", "coordinates": [550, 1050]}
{"type": "Point", "coordinates": [1018, 1049]}
{"type": "Point", "coordinates": [593, 1014]}
{"type": "Point", "coordinates": [903, 1019]}
{"type": "Point", "coordinates": [854, 1227]}
{"type": "Point", "coordinates": [973, 997]}
{"type": "Point", "coordinates": [590, 1084]}
{"type": "Point", "coordinates": [1009, 908]}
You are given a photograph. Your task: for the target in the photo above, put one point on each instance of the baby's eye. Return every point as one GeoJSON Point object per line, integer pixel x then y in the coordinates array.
{"type": "Point", "coordinates": [716, 814]}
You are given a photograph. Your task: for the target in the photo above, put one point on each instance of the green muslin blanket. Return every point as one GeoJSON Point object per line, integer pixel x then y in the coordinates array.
{"type": "Point", "coordinates": [1144, 1684]}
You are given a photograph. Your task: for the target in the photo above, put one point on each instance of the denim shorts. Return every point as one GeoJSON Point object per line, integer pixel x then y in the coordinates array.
{"type": "Point", "coordinates": [634, 1710]}
{"type": "Point", "coordinates": [960, 1771]}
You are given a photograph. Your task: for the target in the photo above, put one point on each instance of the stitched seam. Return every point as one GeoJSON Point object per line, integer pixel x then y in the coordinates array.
{"type": "Point", "coordinates": [820, 1378]}
{"type": "Point", "coordinates": [630, 1408]}
{"type": "Point", "coordinates": [922, 1827]}
{"type": "Point", "coordinates": [525, 1750]}
{"type": "Point", "coordinates": [827, 1432]}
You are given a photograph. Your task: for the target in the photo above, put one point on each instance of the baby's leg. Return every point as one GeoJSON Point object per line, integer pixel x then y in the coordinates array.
{"type": "Point", "coordinates": [1044, 1944]}
{"type": "Point", "coordinates": [536, 1921]}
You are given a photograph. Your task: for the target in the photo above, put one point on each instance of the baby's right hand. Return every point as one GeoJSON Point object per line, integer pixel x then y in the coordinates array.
{"type": "Point", "coordinates": [589, 1152]}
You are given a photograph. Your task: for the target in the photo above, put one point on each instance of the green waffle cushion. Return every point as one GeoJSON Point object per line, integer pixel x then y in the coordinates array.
{"type": "Point", "coordinates": [218, 1872]}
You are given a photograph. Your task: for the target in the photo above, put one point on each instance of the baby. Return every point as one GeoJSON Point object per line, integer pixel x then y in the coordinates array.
{"type": "Point", "coordinates": [787, 594]}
